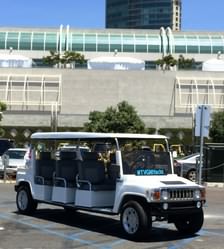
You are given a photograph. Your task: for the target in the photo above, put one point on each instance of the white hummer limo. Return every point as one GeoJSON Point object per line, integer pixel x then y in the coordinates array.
{"type": "Point", "coordinates": [123, 177]}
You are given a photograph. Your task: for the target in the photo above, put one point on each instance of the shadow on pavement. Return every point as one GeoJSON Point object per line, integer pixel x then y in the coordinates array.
{"type": "Point", "coordinates": [108, 225]}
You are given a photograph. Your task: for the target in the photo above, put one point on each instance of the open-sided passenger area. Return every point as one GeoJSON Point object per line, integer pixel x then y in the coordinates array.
{"type": "Point", "coordinates": [45, 168]}
{"type": "Point", "coordinates": [70, 171]}
{"type": "Point", "coordinates": [92, 173]}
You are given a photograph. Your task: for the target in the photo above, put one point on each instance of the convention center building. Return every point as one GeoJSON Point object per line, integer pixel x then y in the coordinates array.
{"type": "Point", "coordinates": [121, 64]}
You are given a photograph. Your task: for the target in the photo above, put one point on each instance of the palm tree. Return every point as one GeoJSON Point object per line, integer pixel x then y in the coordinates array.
{"type": "Point", "coordinates": [68, 57]}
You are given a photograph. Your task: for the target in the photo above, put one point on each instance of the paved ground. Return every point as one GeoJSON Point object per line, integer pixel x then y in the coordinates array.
{"type": "Point", "coordinates": [52, 228]}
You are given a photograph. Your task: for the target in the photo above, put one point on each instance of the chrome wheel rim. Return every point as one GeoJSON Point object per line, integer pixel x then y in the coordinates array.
{"type": "Point", "coordinates": [22, 200]}
{"type": "Point", "coordinates": [130, 220]}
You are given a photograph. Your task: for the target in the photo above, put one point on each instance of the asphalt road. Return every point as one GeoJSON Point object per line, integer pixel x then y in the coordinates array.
{"type": "Point", "coordinates": [52, 228]}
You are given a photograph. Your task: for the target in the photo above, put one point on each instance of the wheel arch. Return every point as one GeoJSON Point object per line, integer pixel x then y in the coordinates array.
{"type": "Point", "coordinates": [24, 184]}
{"type": "Point", "coordinates": [129, 197]}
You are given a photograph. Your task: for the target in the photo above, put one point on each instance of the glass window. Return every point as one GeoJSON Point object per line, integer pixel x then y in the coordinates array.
{"type": "Point", "coordinates": [51, 41]}
{"type": "Point", "coordinates": [140, 44]}
{"type": "Point", "coordinates": [2, 40]}
{"type": "Point", "coordinates": [13, 154]}
{"type": "Point", "coordinates": [103, 43]}
{"type": "Point", "coordinates": [25, 41]}
{"type": "Point", "coordinates": [77, 42]}
{"type": "Point", "coordinates": [90, 42]}
{"type": "Point", "coordinates": [115, 43]}
{"type": "Point", "coordinates": [180, 44]}
{"type": "Point", "coordinates": [205, 45]}
{"type": "Point", "coordinates": [154, 44]}
{"type": "Point", "coordinates": [217, 44]}
{"type": "Point", "coordinates": [12, 40]}
{"type": "Point", "coordinates": [128, 43]}
{"type": "Point", "coordinates": [192, 44]}
{"type": "Point", "coordinates": [38, 41]}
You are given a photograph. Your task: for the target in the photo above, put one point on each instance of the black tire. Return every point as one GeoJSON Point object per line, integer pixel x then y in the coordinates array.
{"type": "Point", "coordinates": [135, 221]}
{"type": "Point", "coordinates": [24, 201]}
{"type": "Point", "coordinates": [191, 175]}
{"type": "Point", "coordinates": [70, 210]}
{"type": "Point", "coordinates": [190, 224]}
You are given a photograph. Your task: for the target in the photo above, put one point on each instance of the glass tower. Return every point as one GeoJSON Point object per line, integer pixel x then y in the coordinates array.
{"type": "Point", "coordinates": [143, 14]}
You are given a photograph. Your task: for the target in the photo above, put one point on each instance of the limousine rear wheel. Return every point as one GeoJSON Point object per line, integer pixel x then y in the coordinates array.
{"type": "Point", "coordinates": [24, 201]}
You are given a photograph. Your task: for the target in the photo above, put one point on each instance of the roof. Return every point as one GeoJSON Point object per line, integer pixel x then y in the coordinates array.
{"type": "Point", "coordinates": [116, 59]}
{"type": "Point", "coordinates": [213, 65]}
{"type": "Point", "coordinates": [14, 57]}
{"type": "Point", "coordinates": [17, 149]}
{"type": "Point", "coordinates": [90, 135]}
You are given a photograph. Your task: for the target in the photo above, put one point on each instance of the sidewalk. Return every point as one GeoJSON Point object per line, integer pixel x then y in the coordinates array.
{"type": "Point", "coordinates": [214, 184]}
{"type": "Point", "coordinates": [8, 181]}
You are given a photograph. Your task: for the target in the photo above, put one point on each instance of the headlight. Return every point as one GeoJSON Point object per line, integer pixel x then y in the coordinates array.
{"type": "Point", "coordinates": [197, 194]}
{"type": "Point", "coordinates": [164, 195]}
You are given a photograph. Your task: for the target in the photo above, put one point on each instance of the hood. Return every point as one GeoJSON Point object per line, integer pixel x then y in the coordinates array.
{"type": "Point", "coordinates": [167, 181]}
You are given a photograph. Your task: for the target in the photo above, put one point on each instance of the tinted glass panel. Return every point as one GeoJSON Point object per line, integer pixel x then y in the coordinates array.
{"type": "Point", "coordinates": [25, 41]}
{"type": "Point", "coordinates": [217, 44]}
{"type": "Point", "coordinates": [90, 42]}
{"type": "Point", "coordinates": [180, 44]}
{"type": "Point", "coordinates": [51, 41]}
{"type": "Point", "coordinates": [103, 43]}
{"type": "Point", "coordinates": [140, 44]}
{"type": "Point", "coordinates": [128, 43]}
{"type": "Point", "coordinates": [192, 44]}
{"type": "Point", "coordinates": [205, 44]}
{"type": "Point", "coordinates": [115, 43]}
{"type": "Point", "coordinates": [193, 49]}
{"type": "Point", "coordinates": [2, 40]}
{"type": "Point", "coordinates": [77, 42]}
{"type": "Point", "coordinates": [153, 43]}
{"type": "Point", "coordinates": [12, 40]}
{"type": "Point", "coordinates": [38, 41]}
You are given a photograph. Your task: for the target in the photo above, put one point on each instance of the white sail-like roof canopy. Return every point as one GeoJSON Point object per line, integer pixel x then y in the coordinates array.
{"type": "Point", "coordinates": [213, 65]}
{"type": "Point", "coordinates": [116, 63]}
{"type": "Point", "coordinates": [13, 60]}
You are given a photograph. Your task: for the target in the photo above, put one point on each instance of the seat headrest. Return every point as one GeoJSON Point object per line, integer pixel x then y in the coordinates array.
{"type": "Point", "coordinates": [90, 156]}
{"type": "Point", "coordinates": [45, 155]}
{"type": "Point", "coordinates": [67, 155]}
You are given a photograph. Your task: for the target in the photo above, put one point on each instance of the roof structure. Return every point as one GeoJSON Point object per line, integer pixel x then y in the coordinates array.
{"type": "Point", "coordinates": [215, 65]}
{"type": "Point", "coordinates": [90, 135]}
{"type": "Point", "coordinates": [116, 63]}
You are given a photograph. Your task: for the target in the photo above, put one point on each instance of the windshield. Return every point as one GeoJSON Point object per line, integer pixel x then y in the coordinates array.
{"type": "Point", "coordinates": [141, 158]}
{"type": "Point", "coordinates": [16, 154]}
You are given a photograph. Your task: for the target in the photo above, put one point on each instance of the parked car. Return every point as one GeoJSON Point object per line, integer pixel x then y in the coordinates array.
{"type": "Point", "coordinates": [16, 158]}
{"type": "Point", "coordinates": [186, 166]}
{"type": "Point", "coordinates": [5, 144]}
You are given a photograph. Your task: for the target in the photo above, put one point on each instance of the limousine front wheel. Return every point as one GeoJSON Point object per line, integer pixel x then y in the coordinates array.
{"type": "Point", "coordinates": [134, 220]}
{"type": "Point", "coordinates": [24, 201]}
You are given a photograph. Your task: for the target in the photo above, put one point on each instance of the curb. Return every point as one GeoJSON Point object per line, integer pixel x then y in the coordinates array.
{"type": "Point", "coordinates": [8, 181]}
{"type": "Point", "coordinates": [214, 184]}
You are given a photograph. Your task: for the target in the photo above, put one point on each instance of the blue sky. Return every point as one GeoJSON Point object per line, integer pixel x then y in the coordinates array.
{"type": "Point", "coordinates": [197, 14]}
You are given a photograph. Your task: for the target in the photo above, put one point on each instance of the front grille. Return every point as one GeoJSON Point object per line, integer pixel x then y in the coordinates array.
{"type": "Point", "coordinates": [181, 194]}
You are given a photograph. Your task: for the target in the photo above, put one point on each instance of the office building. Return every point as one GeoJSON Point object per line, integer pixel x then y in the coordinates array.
{"type": "Point", "coordinates": [143, 14]}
